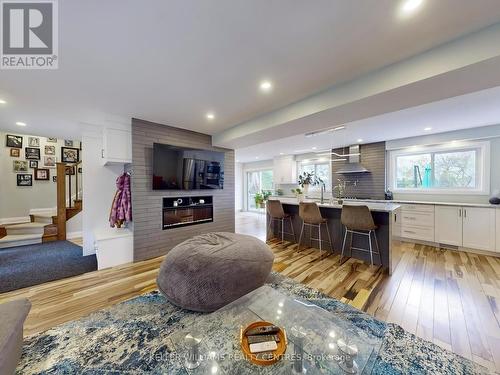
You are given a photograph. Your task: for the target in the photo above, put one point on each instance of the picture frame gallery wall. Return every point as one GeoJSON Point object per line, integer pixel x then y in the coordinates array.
{"type": "Point", "coordinates": [28, 164]}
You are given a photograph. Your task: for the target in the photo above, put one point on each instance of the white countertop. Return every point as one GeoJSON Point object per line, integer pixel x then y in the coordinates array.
{"type": "Point", "coordinates": [487, 205]}
{"type": "Point", "coordinates": [380, 206]}
{"type": "Point", "coordinates": [397, 201]}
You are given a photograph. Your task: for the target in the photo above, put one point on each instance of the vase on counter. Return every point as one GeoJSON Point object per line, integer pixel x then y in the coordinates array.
{"type": "Point", "coordinates": [300, 197]}
{"type": "Point", "coordinates": [305, 189]}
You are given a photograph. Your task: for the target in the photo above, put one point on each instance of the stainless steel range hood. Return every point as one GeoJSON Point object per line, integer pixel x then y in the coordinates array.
{"type": "Point", "coordinates": [353, 166]}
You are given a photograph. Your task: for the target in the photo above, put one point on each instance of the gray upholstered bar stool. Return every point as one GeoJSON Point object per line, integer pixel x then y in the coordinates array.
{"type": "Point", "coordinates": [311, 216]}
{"type": "Point", "coordinates": [276, 212]}
{"type": "Point", "coordinates": [359, 220]}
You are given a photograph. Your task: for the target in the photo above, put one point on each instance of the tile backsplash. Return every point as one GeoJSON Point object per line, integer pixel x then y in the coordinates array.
{"type": "Point", "coordinates": [368, 185]}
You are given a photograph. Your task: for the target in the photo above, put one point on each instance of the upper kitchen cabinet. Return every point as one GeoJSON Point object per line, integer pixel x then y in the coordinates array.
{"type": "Point", "coordinates": [285, 170]}
{"type": "Point", "coordinates": [117, 146]}
{"type": "Point", "coordinates": [479, 228]}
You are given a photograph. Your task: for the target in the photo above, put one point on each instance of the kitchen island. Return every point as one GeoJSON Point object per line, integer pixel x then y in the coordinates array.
{"type": "Point", "coordinates": [384, 215]}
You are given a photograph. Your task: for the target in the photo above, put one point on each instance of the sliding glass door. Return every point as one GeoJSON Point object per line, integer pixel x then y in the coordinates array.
{"type": "Point", "coordinates": [258, 181]}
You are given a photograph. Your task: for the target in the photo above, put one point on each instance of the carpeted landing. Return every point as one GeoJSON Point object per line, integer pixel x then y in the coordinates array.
{"type": "Point", "coordinates": [29, 265]}
{"type": "Point", "coordinates": [134, 337]}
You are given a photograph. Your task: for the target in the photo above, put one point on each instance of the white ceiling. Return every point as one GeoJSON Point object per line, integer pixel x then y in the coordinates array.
{"type": "Point", "coordinates": [467, 111]}
{"type": "Point", "coordinates": [172, 61]}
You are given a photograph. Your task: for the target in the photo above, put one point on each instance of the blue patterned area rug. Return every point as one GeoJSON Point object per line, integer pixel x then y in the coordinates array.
{"type": "Point", "coordinates": [132, 338]}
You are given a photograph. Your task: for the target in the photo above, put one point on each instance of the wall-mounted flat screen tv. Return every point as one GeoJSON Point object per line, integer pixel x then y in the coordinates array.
{"type": "Point", "coordinates": [181, 168]}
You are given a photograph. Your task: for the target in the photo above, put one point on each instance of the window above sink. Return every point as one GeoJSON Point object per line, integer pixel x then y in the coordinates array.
{"type": "Point", "coordinates": [452, 168]}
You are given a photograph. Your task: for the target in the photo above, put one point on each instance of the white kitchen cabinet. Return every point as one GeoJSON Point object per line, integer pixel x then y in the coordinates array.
{"type": "Point", "coordinates": [448, 228]}
{"type": "Point", "coordinates": [479, 228]}
{"type": "Point", "coordinates": [285, 170]}
{"type": "Point", "coordinates": [396, 223]}
{"type": "Point", "coordinates": [497, 230]}
{"type": "Point", "coordinates": [117, 146]}
{"type": "Point", "coordinates": [417, 222]}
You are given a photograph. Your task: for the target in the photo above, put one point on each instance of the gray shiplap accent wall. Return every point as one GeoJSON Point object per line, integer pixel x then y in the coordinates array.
{"type": "Point", "coordinates": [149, 238]}
{"type": "Point", "coordinates": [370, 185]}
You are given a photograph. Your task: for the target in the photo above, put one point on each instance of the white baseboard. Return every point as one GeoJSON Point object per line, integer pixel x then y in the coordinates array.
{"type": "Point", "coordinates": [14, 220]}
{"type": "Point", "coordinates": [72, 235]}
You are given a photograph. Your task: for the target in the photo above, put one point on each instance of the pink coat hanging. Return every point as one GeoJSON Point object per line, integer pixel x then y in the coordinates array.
{"type": "Point", "coordinates": [121, 209]}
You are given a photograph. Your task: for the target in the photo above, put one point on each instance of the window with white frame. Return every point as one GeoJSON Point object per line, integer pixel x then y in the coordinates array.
{"type": "Point", "coordinates": [454, 168]}
{"type": "Point", "coordinates": [321, 170]}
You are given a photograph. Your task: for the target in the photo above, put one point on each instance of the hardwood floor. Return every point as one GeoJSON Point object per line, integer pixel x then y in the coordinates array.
{"type": "Point", "coordinates": [447, 297]}
{"type": "Point", "coordinates": [60, 301]}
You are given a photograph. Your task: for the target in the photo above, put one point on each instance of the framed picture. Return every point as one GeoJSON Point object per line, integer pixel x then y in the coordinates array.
{"type": "Point", "coordinates": [49, 161]}
{"type": "Point", "coordinates": [70, 155]}
{"type": "Point", "coordinates": [68, 143]}
{"type": "Point", "coordinates": [20, 166]}
{"type": "Point", "coordinates": [32, 153]}
{"type": "Point", "coordinates": [34, 164]}
{"type": "Point", "coordinates": [33, 141]}
{"type": "Point", "coordinates": [70, 170]}
{"type": "Point", "coordinates": [15, 152]}
{"type": "Point", "coordinates": [50, 150]}
{"type": "Point", "coordinates": [24, 180]}
{"type": "Point", "coordinates": [15, 141]}
{"type": "Point", "coordinates": [42, 174]}
{"type": "Point", "coordinates": [51, 140]}
{"type": "Point", "coordinates": [54, 178]}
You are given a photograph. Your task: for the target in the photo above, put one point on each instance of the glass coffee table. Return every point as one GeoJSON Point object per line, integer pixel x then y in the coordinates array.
{"type": "Point", "coordinates": [319, 342]}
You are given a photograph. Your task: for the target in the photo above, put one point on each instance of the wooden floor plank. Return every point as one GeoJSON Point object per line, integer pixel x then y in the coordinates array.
{"type": "Point", "coordinates": [445, 296]}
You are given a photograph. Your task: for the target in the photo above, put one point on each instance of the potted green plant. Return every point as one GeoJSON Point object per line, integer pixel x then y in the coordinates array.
{"type": "Point", "coordinates": [259, 200]}
{"type": "Point", "coordinates": [299, 194]}
{"type": "Point", "coordinates": [266, 194]}
{"type": "Point", "coordinates": [340, 189]}
{"type": "Point", "coordinates": [307, 179]}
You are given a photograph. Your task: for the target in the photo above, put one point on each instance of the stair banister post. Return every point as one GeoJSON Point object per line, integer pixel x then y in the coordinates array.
{"type": "Point", "coordinates": [61, 201]}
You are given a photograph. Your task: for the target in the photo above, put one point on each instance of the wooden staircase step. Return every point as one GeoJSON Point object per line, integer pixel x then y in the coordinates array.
{"type": "Point", "coordinates": [25, 228]}
{"type": "Point", "coordinates": [12, 240]}
{"type": "Point", "coordinates": [70, 212]}
{"type": "Point", "coordinates": [49, 233]}
{"type": "Point", "coordinates": [47, 218]}
{"type": "Point", "coordinates": [78, 203]}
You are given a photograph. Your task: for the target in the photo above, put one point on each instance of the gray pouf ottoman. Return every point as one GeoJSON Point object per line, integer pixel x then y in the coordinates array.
{"type": "Point", "coordinates": [211, 270]}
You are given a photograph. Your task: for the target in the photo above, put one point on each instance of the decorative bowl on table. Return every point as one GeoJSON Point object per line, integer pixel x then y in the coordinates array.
{"type": "Point", "coordinates": [265, 358]}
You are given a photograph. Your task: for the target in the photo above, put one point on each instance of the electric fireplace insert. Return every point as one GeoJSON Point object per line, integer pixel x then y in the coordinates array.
{"type": "Point", "coordinates": [183, 211]}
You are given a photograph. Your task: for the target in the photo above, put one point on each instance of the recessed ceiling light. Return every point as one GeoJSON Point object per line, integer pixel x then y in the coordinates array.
{"type": "Point", "coordinates": [2, 101]}
{"type": "Point", "coordinates": [359, 140]}
{"type": "Point", "coordinates": [314, 148]}
{"type": "Point", "coordinates": [410, 6]}
{"type": "Point", "coordinates": [266, 86]}
{"type": "Point", "coordinates": [19, 123]}
{"type": "Point", "coordinates": [210, 116]}
{"type": "Point", "coordinates": [282, 153]}
{"type": "Point", "coordinates": [427, 129]}
{"type": "Point", "coordinates": [256, 157]}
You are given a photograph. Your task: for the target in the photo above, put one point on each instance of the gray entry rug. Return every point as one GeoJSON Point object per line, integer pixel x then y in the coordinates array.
{"type": "Point", "coordinates": [24, 266]}
{"type": "Point", "coordinates": [131, 338]}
